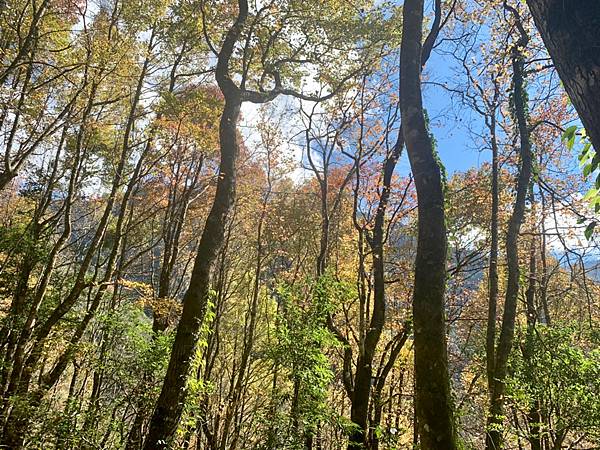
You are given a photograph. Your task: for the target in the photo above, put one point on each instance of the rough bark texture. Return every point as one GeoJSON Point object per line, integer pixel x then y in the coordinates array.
{"type": "Point", "coordinates": [361, 396]}
{"type": "Point", "coordinates": [433, 404]}
{"type": "Point", "coordinates": [570, 32]}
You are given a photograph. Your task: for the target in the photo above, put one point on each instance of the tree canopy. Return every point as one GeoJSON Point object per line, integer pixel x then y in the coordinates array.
{"type": "Point", "coordinates": [283, 224]}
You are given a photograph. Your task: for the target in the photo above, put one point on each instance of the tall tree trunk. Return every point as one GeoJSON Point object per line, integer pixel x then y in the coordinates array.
{"type": "Point", "coordinates": [570, 32]}
{"type": "Point", "coordinates": [171, 401]}
{"type": "Point", "coordinates": [361, 393]}
{"type": "Point", "coordinates": [434, 409]}
{"type": "Point", "coordinates": [490, 342]}
{"type": "Point", "coordinates": [495, 418]}
{"type": "Point", "coordinates": [169, 407]}
{"type": "Point", "coordinates": [534, 418]}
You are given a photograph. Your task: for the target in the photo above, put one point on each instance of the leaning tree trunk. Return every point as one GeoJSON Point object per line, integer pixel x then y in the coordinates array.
{"type": "Point", "coordinates": [171, 401]}
{"type": "Point", "coordinates": [570, 32]}
{"type": "Point", "coordinates": [433, 403]}
{"type": "Point", "coordinates": [170, 404]}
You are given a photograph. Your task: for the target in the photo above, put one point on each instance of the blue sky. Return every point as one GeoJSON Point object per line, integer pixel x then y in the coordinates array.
{"type": "Point", "coordinates": [448, 121]}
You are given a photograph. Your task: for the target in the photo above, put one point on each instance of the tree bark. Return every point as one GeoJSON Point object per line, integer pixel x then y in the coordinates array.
{"type": "Point", "coordinates": [171, 401]}
{"type": "Point", "coordinates": [169, 407]}
{"type": "Point", "coordinates": [570, 33]}
{"type": "Point", "coordinates": [434, 408]}
{"type": "Point", "coordinates": [496, 418]}
{"type": "Point", "coordinates": [493, 269]}
{"type": "Point", "coordinates": [361, 393]}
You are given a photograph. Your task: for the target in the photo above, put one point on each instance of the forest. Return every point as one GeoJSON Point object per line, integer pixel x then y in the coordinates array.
{"type": "Point", "coordinates": [299, 224]}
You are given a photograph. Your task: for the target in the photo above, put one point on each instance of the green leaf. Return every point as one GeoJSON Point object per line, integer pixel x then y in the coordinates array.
{"type": "Point", "coordinates": [569, 136]}
{"type": "Point", "coordinates": [589, 230]}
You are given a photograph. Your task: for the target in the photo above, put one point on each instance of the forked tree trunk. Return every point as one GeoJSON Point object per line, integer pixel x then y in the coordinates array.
{"type": "Point", "coordinates": [170, 404]}
{"type": "Point", "coordinates": [434, 409]}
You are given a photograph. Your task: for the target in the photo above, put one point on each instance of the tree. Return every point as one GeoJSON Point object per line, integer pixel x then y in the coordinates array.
{"type": "Point", "coordinates": [434, 408]}
{"type": "Point", "coordinates": [171, 401]}
{"type": "Point", "coordinates": [133, 166]}
{"type": "Point", "coordinates": [570, 35]}
{"type": "Point", "coordinates": [505, 341]}
{"type": "Point", "coordinates": [560, 373]}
